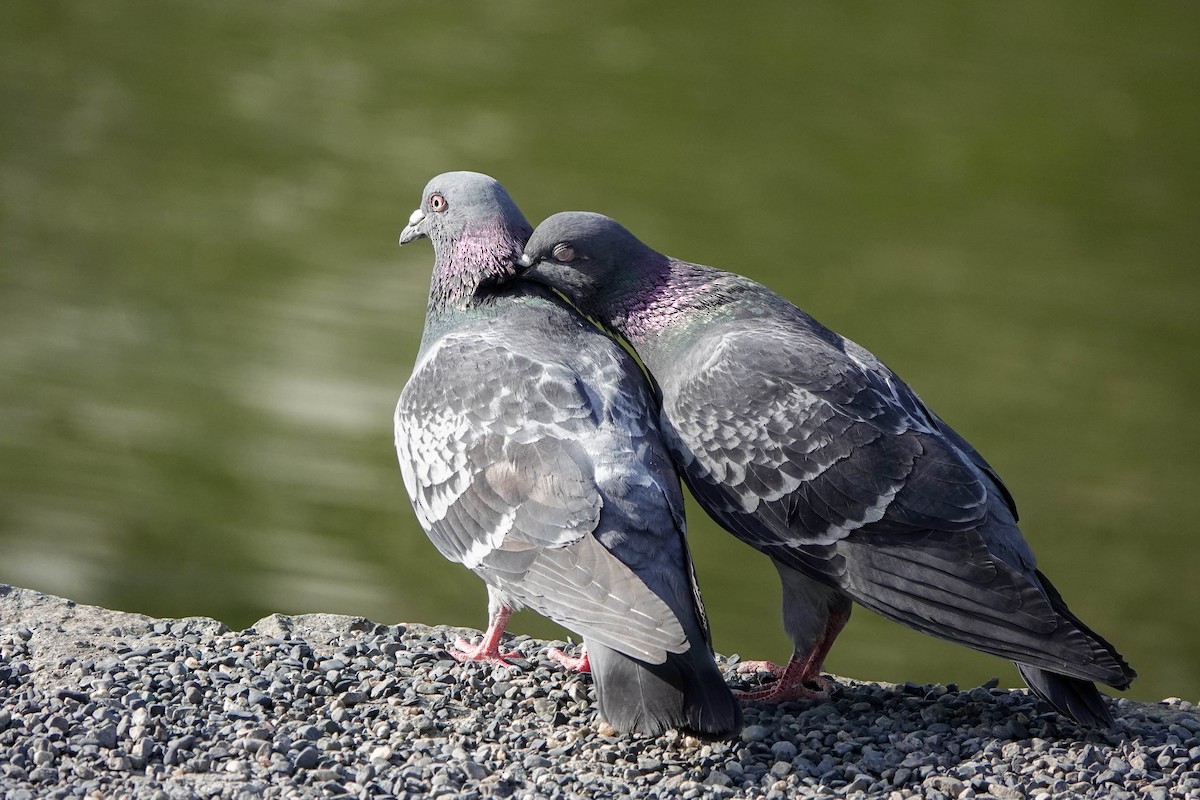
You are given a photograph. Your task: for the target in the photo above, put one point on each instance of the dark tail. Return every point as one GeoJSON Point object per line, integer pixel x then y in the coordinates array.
{"type": "Point", "coordinates": [1078, 699]}
{"type": "Point", "coordinates": [1120, 674]}
{"type": "Point", "coordinates": [687, 691]}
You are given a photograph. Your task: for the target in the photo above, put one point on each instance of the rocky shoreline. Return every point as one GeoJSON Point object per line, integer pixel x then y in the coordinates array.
{"type": "Point", "coordinates": [104, 704]}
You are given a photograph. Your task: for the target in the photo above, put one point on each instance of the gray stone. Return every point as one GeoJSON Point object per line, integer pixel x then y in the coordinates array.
{"type": "Point", "coordinates": [783, 751]}
{"type": "Point", "coordinates": [755, 733]}
{"type": "Point", "coordinates": [307, 758]}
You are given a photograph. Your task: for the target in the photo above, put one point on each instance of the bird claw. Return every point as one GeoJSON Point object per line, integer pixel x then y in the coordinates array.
{"type": "Point", "coordinates": [824, 685]}
{"type": "Point", "coordinates": [570, 663]}
{"type": "Point", "coordinates": [781, 691]}
{"type": "Point", "coordinates": [796, 681]}
{"type": "Point", "coordinates": [463, 651]}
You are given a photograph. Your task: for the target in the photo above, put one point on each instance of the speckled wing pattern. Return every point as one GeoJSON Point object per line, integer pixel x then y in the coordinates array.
{"type": "Point", "coordinates": [811, 438]}
{"type": "Point", "coordinates": [509, 460]}
{"type": "Point", "coordinates": [807, 447]}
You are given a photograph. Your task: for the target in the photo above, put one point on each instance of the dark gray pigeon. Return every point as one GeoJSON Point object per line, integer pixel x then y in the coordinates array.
{"type": "Point", "coordinates": [805, 446]}
{"type": "Point", "coordinates": [530, 448]}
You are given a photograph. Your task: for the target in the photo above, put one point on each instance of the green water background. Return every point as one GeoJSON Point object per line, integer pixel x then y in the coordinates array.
{"type": "Point", "coordinates": [205, 319]}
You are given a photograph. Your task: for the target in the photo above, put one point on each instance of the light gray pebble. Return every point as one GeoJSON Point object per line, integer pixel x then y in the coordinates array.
{"type": "Point", "coordinates": [719, 778]}
{"type": "Point", "coordinates": [1002, 792]}
{"type": "Point", "coordinates": [106, 736]}
{"type": "Point", "coordinates": [783, 751]}
{"type": "Point", "coordinates": [952, 787]}
{"type": "Point", "coordinates": [755, 733]}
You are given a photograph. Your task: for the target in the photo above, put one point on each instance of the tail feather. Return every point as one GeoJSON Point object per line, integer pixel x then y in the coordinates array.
{"type": "Point", "coordinates": [687, 691]}
{"type": "Point", "coordinates": [1078, 699]}
{"type": "Point", "coordinates": [1074, 697]}
{"type": "Point", "coordinates": [1120, 673]}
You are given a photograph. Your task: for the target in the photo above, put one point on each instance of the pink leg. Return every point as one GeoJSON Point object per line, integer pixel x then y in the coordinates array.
{"type": "Point", "coordinates": [791, 682]}
{"type": "Point", "coordinates": [489, 648]}
{"type": "Point", "coordinates": [802, 671]}
{"type": "Point", "coordinates": [581, 664]}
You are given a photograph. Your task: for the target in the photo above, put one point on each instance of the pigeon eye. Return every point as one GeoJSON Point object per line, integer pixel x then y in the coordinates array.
{"type": "Point", "coordinates": [564, 252]}
{"type": "Point", "coordinates": [438, 203]}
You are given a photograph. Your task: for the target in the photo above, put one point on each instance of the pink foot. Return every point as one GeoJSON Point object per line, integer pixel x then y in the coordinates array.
{"type": "Point", "coordinates": [484, 651]}
{"type": "Point", "coordinates": [487, 650]}
{"type": "Point", "coordinates": [569, 663]}
{"type": "Point", "coordinates": [782, 691]}
{"type": "Point", "coordinates": [797, 680]}
{"type": "Point", "coordinates": [793, 682]}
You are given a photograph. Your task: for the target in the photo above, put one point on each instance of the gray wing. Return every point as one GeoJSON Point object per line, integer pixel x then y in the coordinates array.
{"type": "Point", "coordinates": [816, 438]}
{"type": "Point", "coordinates": [494, 446]}
{"type": "Point", "coordinates": [807, 447]}
{"type": "Point", "coordinates": [979, 461]}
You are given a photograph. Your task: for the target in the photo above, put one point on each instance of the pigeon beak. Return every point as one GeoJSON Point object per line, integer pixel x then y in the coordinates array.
{"type": "Point", "coordinates": [413, 229]}
{"type": "Point", "coordinates": [530, 268]}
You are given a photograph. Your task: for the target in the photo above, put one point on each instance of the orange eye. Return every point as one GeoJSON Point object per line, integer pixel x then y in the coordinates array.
{"type": "Point", "coordinates": [438, 203]}
{"type": "Point", "coordinates": [564, 252]}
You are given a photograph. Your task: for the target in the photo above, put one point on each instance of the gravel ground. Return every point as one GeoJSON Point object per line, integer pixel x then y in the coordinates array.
{"type": "Point", "coordinates": [103, 704]}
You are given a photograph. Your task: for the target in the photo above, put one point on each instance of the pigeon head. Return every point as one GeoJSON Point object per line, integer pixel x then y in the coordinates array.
{"type": "Point", "coordinates": [462, 204]}
{"type": "Point", "coordinates": [476, 229]}
{"type": "Point", "coordinates": [590, 258]}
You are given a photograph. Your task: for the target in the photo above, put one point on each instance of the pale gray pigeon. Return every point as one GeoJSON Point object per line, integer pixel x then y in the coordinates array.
{"type": "Point", "coordinates": [530, 448]}
{"type": "Point", "coordinates": [805, 446]}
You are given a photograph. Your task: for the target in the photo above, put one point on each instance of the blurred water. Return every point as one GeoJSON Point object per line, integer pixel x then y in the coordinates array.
{"type": "Point", "coordinates": [205, 321]}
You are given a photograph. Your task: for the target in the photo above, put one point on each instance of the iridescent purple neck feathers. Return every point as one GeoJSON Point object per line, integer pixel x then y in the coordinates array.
{"type": "Point", "coordinates": [483, 253]}
{"type": "Point", "coordinates": [676, 295]}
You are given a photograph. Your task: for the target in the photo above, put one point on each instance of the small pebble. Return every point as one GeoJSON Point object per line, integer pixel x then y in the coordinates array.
{"type": "Point", "coordinates": [755, 733]}
{"type": "Point", "coordinates": [783, 751]}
